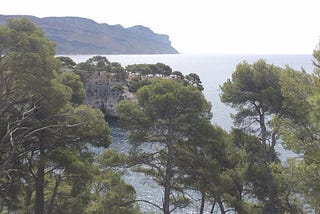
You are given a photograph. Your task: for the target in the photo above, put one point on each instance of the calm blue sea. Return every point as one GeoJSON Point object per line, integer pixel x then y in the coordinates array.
{"type": "Point", "coordinates": [213, 70]}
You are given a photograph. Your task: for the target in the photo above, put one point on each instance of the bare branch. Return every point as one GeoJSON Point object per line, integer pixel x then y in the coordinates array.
{"type": "Point", "coordinates": [145, 201]}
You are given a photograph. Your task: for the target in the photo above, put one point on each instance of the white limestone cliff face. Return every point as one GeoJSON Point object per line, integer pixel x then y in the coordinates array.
{"type": "Point", "coordinates": [104, 90]}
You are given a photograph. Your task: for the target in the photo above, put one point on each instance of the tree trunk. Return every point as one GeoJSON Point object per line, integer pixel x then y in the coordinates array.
{"type": "Point", "coordinates": [220, 203]}
{"type": "Point", "coordinates": [212, 208]}
{"type": "Point", "coordinates": [203, 199]}
{"type": "Point", "coordinates": [267, 160]}
{"type": "Point", "coordinates": [54, 194]}
{"type": "Point", "coordinates": [167, 179]}
{"type": "Point", "coordinates": [271, 204]}
{"type": "Point", "coordinates": [39, 200]}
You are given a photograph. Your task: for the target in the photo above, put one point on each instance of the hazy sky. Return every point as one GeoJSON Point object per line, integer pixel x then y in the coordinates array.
{"type": "Point", "coordinates": [199, 26]}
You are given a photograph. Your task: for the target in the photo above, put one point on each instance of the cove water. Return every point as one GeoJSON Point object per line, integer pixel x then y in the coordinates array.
{"type": "Point", "coordinates": [213, 71]}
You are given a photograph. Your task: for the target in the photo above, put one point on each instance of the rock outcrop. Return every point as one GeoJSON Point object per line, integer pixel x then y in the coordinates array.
{"type": "Point", "coordinates": [104, 91]}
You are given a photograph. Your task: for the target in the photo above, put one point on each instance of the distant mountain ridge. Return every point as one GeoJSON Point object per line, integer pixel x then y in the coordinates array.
{"type": "Point", "coordinates": [75, 35]}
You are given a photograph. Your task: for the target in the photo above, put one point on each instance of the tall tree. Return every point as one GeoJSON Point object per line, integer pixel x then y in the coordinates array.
{"type": "Point", "coordinates": [254, 91]}
{"type": "Point", "coordinates": [26, 68]}
{"type": "Point", "coordinates": [201, 161]}
{"type": "Point", "coordinates": [161, 117]}
{"type": "Point", "coordinates": [41, 117]}
{"type": "Point", "coordinates": [194, 79]}
{"type": "Point", "coordinates": [300, 130]}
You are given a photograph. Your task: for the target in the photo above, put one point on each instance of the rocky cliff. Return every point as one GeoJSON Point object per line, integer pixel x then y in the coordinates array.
{"type": "Point", "coordinates": [104, 91]}
{"type": "Point", "coordinates": [74, 35]}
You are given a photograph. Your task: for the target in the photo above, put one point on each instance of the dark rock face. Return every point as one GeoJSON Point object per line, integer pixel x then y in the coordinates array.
{"type": "Point", "coordinates": [74, 35]}
{"type": "Point", "coordinates": [104, 91]}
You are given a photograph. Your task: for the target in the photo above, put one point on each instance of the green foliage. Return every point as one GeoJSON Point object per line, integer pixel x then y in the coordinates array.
{"type": "Point", "coordinates": [74, 82]}
{"type": "Point", "coordinates": [91, 125]}
{"type": "Point", "coordinates": [253, 86]}
{"type": "Point", "coordinates": [178, 74]}
{"type": "Point", "coordinates": [47, 137]}
{"type": "Point", "coordinates": [96, 63]}
{"type": "Point", "coordinates": [27, 66]}
{"type": "Point", "coordinates": [121, 73]}
{"type": "Point", "coordinates": [111, 194]}
{"type": "Point", "coordinates": [194, 80]}
{"type": "Point", "coordinates": [296, 87]}
{"type": "Point", "coordinates": [255, 92]}
{"type": "Point", "coordinates": [100, 63]}
{"type": "Point", "coordinates": [114, 197]}
{"type": "Point", "coordinates": [112, 158]}
{"type": "Point", "coordinates": [241, 180]}
{"type": "Point", "coordinates": [29, 58]}
{"type": "Point", "coordinates": [202, 159]}
{"type": "Point", "coordinates": [56, 98]}
{"type": "Point", "coordinates": [137, 82]}
{"type": "Point", "coordinates": [289, 183]}
{"type": "Point", "coordinates": [161, 69]}
{"type": "Point", "coordinates": [85, 66]}
{"type": "Point", "coordinates": [176, 101]}
{"type": "Point", "coordinates": [316, 57]}
{"type": "Point", "coordinates": [4, 41]}
{"type": "Point", "coordinates": [140, 69]}
{"type": "Point", "coordinates": [150, 69]}
{"type": "Point", "coordinates": [300, 131]}
{"type": "Point", "coordinates": [66, 62]}
{"type": "Point", "coordinates": [164, 115]}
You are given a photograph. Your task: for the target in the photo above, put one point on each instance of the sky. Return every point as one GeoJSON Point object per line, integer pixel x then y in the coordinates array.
{"type": "Point", "coordinates": [199, 26]}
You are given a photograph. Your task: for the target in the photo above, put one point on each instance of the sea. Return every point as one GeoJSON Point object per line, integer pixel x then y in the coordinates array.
{"type": "Point", "coordinates": [213, 70]}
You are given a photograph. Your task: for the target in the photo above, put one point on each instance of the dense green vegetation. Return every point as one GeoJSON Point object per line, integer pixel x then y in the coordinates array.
{"type": "Point", "coordinates": [49, 139]}
{"type": "Point", "coordinates": [47, 136]}
{"type": "Point", "coordinates": [238, 171]}
{"type": "Point", "coordinates": [165, 115]}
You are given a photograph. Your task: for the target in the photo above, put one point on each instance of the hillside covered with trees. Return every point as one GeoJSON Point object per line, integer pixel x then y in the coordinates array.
{"type": "Point", "coordinates": [49, 139]}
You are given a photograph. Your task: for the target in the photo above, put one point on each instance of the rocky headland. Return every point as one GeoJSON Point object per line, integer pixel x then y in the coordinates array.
{"type": "Point", "coordinates": [104, 90]}
{"type": "Point", "coordinates": [75, 35]}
